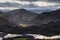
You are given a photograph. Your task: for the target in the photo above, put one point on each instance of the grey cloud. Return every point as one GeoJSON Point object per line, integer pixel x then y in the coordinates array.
{"type": "Point", "coordinates": [8, 4]}
{"type": "Point", "coordinates": [58, 1]}
{"type": "Point", "coordinates": [42, 0]}
{"type": "Point", "coordinates": [28, 0]}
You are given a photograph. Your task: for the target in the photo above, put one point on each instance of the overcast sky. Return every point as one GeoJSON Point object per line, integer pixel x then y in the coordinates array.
{"type": "Point", "coordinates": [29, 3]}
{"type": "Point", "coordinates": [37, 2]}
{"type": "Point", "coordinates": [43, 0]}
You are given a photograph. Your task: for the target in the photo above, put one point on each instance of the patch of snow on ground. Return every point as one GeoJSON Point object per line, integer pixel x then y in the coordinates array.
{"type": "Point", "coordinates": [36, 36]}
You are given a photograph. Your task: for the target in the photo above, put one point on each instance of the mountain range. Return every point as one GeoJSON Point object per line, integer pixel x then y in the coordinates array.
{"type": "Point", "coordinates": [22, 21]}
